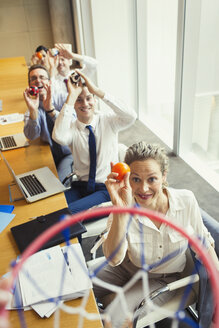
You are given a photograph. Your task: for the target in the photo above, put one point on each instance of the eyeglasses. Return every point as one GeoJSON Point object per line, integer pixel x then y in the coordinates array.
{"type": "Point", "coordinates": [41, 77]}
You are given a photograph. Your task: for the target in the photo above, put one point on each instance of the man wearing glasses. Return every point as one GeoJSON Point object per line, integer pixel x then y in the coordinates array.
{"type": "Point", "coordinates": [41, 114]}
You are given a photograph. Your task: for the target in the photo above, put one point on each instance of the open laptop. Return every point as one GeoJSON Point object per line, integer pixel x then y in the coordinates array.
{"type": "Point", "coordinates": [36, 184]}
{"type": "Point", "coordinates": [13, 141]}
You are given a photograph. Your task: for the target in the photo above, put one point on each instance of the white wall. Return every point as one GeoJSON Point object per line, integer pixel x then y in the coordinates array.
{"type": "Point", "coordinates": [25, 24]}
{"type": "Point", "coordinates": [115, 48]}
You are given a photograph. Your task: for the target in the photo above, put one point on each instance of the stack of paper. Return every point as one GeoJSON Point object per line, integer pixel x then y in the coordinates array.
{"type": "Point", "coordinates": [51, 276]}
{"type": "Point", "coordinates": [11, 118]}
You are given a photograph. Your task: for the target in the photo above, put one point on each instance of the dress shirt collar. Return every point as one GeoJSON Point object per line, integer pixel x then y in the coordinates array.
{"type": "Point", "coordinates": [144, 219]}
{"type": "Point", "coordinates": [176, 203]}
{"type": "Point", "coordinates": [93, 123]}
{"type": "Point", "coordinates": [62, 78]}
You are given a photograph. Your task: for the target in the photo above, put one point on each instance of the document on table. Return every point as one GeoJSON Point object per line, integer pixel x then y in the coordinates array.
{"type": "Point", "coordinates": [51, 276]}
{"type": "Point", "coordinates": [11, 118]}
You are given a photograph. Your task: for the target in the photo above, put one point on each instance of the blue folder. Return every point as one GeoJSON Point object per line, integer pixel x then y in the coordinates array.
{"type": "Point", "coordinates": [6, 208]}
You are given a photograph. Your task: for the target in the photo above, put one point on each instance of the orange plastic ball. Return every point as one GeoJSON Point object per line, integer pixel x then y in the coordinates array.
{"type": "Point", "coordinates": [39, 55]}
{"type": "Point", "coordinates": [121, 169]}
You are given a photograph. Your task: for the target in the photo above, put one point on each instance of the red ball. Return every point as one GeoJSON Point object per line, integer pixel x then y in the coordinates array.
{"type": "Point", "coordinates": [33, 91]}
{"type": "Point", "coordinates": [121, 169]}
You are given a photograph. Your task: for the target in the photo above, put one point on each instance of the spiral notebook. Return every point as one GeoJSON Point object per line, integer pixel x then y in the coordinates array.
{"type": "Point", "coordinates": [25, 233]}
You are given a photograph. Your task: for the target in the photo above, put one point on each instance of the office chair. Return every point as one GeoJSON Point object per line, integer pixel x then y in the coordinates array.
{"type": "Point", "coordinates": [142, 320]}
{"type": "Point", "coordinates": [187, 277]}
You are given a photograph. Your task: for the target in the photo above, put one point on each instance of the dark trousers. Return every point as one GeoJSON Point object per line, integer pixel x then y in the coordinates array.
{"type": "Point", "coordinates": [79, 199]}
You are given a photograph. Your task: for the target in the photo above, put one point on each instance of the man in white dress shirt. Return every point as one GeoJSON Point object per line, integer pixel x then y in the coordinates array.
{"type": "Point", "coordinates": [41, 125]}
{"type": "Point", "coordinates": [65, 57]}
{"type": "Point", "coordinates": [105, 127]}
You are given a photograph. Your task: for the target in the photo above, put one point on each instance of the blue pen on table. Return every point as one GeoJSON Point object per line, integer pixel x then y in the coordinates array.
{"type": "Point", "coordinates": [66, 234]}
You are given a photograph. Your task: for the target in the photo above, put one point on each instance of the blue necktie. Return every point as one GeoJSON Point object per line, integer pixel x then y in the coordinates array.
{"type": "Point", "coordinates": [93, 160]}
{"type": "Point", "coordinates": [66, 83]}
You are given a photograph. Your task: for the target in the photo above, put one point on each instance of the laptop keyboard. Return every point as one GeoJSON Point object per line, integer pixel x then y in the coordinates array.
{"type": "Point", "coordinates": [8, 142]}
{"type": "Point", "coordinates": [32, 184]}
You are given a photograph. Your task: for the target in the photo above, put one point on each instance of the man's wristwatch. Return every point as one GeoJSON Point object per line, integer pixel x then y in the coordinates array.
{"type": "Point", "coordinates": [50, 111]}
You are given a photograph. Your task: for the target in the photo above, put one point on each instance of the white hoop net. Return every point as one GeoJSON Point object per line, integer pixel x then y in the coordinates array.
{"type": "Point", "coordinates": [120, 301]}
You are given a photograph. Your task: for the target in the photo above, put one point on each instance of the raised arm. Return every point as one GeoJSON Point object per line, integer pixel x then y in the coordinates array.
{"type": "Point", "coordinates": [32, 127]}
{"type": "Point", "coordinates": [88, 64]}
{"type": "Point", "coordinates": [123, 116]}
{"type": "Point", "coordinates": [34, 115]}
{"type": "Point", "coordinates": [91, 86]}
{"type": "Point", "coordinates": [65, 52]}
{"type": "Point", "coordinates": [62, 133]}
{"type": "Point", "coordinates": [121, 195]}
{"type": "Point", "coordinates": [53, 62]}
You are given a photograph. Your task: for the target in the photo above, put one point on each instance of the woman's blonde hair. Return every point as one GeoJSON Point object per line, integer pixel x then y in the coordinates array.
{"type": "Point", "coordinates": [142, 151]}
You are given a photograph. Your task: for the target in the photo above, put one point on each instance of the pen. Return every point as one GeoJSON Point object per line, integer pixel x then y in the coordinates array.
{"type": "Point", "coordinates": [66, 234]}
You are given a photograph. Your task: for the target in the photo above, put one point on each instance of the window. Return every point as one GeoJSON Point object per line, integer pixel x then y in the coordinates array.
{"type": "Point", "coordinates": [162, 57]}
{"type": "Point", "coordinates": [199, 137]}
{"type": "Point", "coordinates": [157, 36]}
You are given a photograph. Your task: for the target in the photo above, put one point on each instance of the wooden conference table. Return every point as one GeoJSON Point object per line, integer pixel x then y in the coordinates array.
{"type": "Point", "coordinates": [13, 81]}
